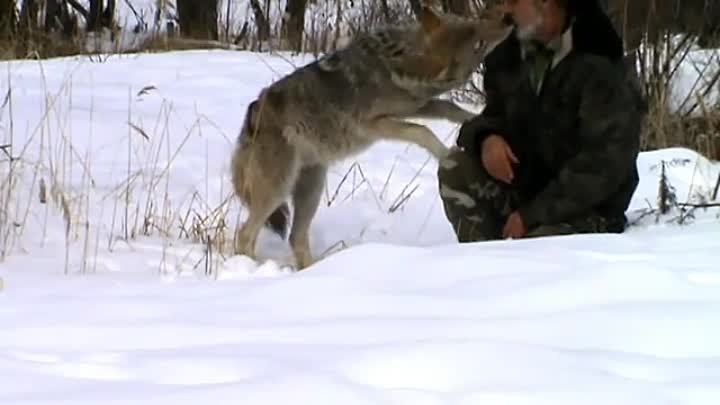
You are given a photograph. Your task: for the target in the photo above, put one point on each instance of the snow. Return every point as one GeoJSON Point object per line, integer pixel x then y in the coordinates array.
{"type": "Point", "coordinates": [397, 313]}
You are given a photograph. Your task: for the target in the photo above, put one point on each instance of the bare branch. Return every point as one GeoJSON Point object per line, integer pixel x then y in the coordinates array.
{"type": "Point", "coordinates": [79, 8]}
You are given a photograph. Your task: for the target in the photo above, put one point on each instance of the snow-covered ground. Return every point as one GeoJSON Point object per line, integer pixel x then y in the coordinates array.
{"type": "Point", "coordinates": [397, 314]}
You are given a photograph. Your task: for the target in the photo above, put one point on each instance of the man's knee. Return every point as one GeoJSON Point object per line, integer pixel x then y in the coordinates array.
{"type": "Point", "coordinates": [454, 178]}
{"type": "Point", "coordinates": [460, 169]}
{"type": "Point", "coordinates": [462, 181]}
{"type": "Point", "coordinates": [449, 169]}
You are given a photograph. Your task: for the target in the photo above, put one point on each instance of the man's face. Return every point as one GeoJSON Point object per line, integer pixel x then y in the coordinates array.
{"type": "Point", "coordinates": [527, 16]}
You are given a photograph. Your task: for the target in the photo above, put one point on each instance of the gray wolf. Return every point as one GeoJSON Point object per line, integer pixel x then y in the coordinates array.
{"type": "Point", "coordinates": [554, 149]}
{"type": "Point", "coordinates": [340, 105]}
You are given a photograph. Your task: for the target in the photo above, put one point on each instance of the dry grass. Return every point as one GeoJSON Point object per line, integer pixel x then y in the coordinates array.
{"type": "Point", "coordinates": [694, 123]}
{"type": "Point", "coordinates": [669, 209]}
{"type": "Point", "coordinates": [36, 191]}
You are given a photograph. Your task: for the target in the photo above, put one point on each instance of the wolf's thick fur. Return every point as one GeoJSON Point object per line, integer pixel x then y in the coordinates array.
{"type": "Point", "coordinates": [339, 105]}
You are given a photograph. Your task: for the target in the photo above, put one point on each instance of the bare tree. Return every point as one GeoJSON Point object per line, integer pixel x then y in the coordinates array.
{"type": "Point", "coordinates": [198, 19]}
{"type": "Point", "coordinates": [8, 19]}
{"type": "Point", "coordinates": [59, 18]}
{"type": "Point", "coordinates": [416, 7]}
{"type": "Point", "coordinates": [385, 10]}
{"type": "Point", "coordinates": [294, 23]}
{"type": "Point", "coordinates": [52, 12]}
{"type": "Point", "coordinates": [261, 21]}
{"type": "Point", "coordinates": [99, 16]}
{"type": "Point", "coordinates": [27, 22]}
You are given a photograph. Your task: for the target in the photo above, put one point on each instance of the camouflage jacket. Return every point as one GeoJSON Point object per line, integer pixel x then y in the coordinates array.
{"type": "Point", "coordinates": [577, 137]}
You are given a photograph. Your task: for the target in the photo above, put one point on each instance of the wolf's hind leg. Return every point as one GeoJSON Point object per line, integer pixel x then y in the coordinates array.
{"type": "Point", "coordinates": [246, 236]}
{"type": "Point", "coordinates": [267, 188]}
{"type": "Point", "coordinates": [394, 129]}
{"type": "Point", "coordinates": [306, 198]}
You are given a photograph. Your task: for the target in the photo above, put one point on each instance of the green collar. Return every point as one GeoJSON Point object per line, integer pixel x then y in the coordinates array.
{"type": "Point", "coordinates": [559, 47]}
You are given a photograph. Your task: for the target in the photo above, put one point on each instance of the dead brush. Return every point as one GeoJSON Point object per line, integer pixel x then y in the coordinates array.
{"type": "Point", "coordinates": [693, 123]}
{"type": "Point", "coordinates": [58, 184]}
{"type": "Point", "coordinates": [153, 212]}
{"type": "Point", "coordinates": [27, 182]}
{"type": "Point", "coordinates": [7, 160]}
{"type": "Point", "coordinates": [668, 207]}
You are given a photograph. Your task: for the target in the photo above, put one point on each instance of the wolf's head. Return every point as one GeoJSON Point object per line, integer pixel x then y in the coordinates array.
{"type": "Point", "coordinates": [454, 47]}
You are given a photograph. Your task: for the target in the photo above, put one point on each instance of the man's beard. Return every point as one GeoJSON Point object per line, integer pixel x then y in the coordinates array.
{"type": "Point", "coordinates": [529, 32]}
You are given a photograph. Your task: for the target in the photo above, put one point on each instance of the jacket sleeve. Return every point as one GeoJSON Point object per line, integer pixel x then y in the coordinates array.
{"type": "Point", "coordinates": [609, 130]}
{"type": "Point", "coordinates": [490, 121]}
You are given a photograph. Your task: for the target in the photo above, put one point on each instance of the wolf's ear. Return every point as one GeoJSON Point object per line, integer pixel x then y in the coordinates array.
{"type": "Point", "coordinates": [430, 21]}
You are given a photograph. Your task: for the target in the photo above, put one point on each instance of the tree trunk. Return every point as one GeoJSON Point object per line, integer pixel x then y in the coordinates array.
{"type": "Point", "coordinates": [7, 19]}
{"type": "Point", "coordinates": [416, 8]}
{"type": "Point", "coordinates": [198, 19]}
{"type": "Point", "coordinates": [263, 27]}
{"type": "Point", "coordinates": [27, 23]}
{"type": "Point", "coordinates": [94, 19]}
{"type": "Point", "coordinates": [108, 15]}
{"type": "Point", "coordinates": [52, 10]}
{"type": "Point", "coordinates": [294, 23]}
{"type": "Point", "coordinates": [99, 16]}
{"type": "Point", "coordinates": [59, 18]}
{"type": "Point", "coordinates": [385, 10]}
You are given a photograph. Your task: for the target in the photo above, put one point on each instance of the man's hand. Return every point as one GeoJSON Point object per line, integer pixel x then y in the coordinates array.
{"type": "Point", "coordinates": [514, 227]}
{"type": "Point", "coordinates": [497, 157]}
